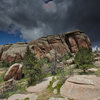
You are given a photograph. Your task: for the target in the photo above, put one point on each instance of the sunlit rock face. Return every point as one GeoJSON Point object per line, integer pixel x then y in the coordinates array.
{"type": "Point", "coordinates": [62, 44]}
{"type": "Point", "coordinates": [46, 46]}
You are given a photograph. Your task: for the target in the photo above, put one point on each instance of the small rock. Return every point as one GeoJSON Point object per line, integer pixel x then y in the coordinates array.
{"type": "Point", "coordinates": [93, 69]}
{"type": "Point", "coordinates": [55, 91]}
{"type": "Point", "coordinates": [55, 83]}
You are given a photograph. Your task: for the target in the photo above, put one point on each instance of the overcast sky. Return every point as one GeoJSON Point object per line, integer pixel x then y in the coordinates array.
{"type": "Point", "coordinates": [31, 19]}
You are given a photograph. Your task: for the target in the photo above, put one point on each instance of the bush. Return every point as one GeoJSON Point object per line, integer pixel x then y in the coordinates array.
{"type": "Point", "coordinates": [83, 59]}
{"type": "Point", "coordinates": [66, 57]}
{"type": "Point", "coordinates": [6, 64]}
{"type": "Point", "coordinates": [26, 99]}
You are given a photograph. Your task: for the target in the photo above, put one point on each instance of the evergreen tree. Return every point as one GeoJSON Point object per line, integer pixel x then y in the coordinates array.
{"type": "Point", "coordinates": [84, 58]}
{"type": "Point", "coordinates": [32, 67]}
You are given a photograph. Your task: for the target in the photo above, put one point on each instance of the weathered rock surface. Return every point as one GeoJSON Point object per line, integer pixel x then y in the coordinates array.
{"type": "Point", "coordinates": [82, 87]}
{"type": "Point", "coordinates": [15, 71]}
{"type": "Point", "coordinates": [45, 46]}
{"type": "Point", "coordinates": [13, 52]}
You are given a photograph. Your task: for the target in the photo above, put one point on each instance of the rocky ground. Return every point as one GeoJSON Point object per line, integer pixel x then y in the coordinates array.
{"type": "Point", "coordinates": [76, 87]}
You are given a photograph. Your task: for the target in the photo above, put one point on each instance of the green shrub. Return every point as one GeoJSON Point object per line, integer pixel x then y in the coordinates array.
{"type": "Point", "coordinates": [2, 77]}
{"type": "Point", "coordinates": [83, 59]}
{"type": "Point", "coordinates": [6, 64]}
{"type": "Point", "coordinates": [66, 57]}
{"type": "Point", "coordinates": [26, 99]}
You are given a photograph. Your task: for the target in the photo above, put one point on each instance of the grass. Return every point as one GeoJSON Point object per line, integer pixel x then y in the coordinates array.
{"type": "Point", "coordinates": [51, 83]}
{"type": "Point", "coordinates": [97, 73]}
{"type": "Point", "coordinates": [2, 78]}
{"type": "Point", "coordinates": [59, 85]}
{"type": "Point", "coordinates": [26, 99]}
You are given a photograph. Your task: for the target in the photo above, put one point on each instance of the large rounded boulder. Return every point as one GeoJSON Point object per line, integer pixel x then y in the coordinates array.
{"type": "Point", "coordinates": [15, 71]}
{"type": "Point", "coordinates": [82, 87]}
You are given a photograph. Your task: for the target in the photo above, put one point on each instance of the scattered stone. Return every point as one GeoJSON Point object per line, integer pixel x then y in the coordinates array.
{"type": "Point", "coordinates": [55, 91]}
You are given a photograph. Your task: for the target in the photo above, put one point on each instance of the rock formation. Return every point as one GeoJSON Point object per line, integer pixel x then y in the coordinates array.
{"type": "Point", "coordinates": [45, 46]}
{"type": "Point", "coordinates": [15, 71]}
{"type": "Point", "coordinates": [69, 42]}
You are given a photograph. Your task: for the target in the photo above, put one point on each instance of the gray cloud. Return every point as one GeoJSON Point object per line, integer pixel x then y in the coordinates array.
{"type": "Point", "coordinates": [34, 18]}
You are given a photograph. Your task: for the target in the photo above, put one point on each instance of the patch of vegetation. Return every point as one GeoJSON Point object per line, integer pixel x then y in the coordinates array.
{"type": "Point", "coordinates": [84, 59]}
{"type": "Point", "coordinates": [66, 57]}
{"type": "Point", "coordinates": [97, 73]}
{"type": "Point", "coordinates": [61, 81]}
{"type": "Point", "coordinates": [2, 78]}
{"type": "Point", "coordinates": [59, 85]}
{"type": "Point", "coordinates": [51, 83]}
{"type": "Point", "coordinates": [26, 99]}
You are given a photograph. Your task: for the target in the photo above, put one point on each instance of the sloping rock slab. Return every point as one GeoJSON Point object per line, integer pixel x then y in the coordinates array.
{"type": "Point", "coordinates": [38, 88]}
{"type": "Point", "coordinates": [82, 87]}
{"type": "Point", "coordinates": [23, 96]}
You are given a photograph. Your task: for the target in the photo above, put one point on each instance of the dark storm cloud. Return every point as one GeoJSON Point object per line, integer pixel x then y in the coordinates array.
{"type": "Point", "coordinates": [85, 15]}
{"type": "Point", "coordinates": [34, 18]}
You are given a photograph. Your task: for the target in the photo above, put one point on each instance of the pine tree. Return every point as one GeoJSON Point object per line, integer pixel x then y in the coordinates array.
{"type": "Point", "coordinates": [32, 67]}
